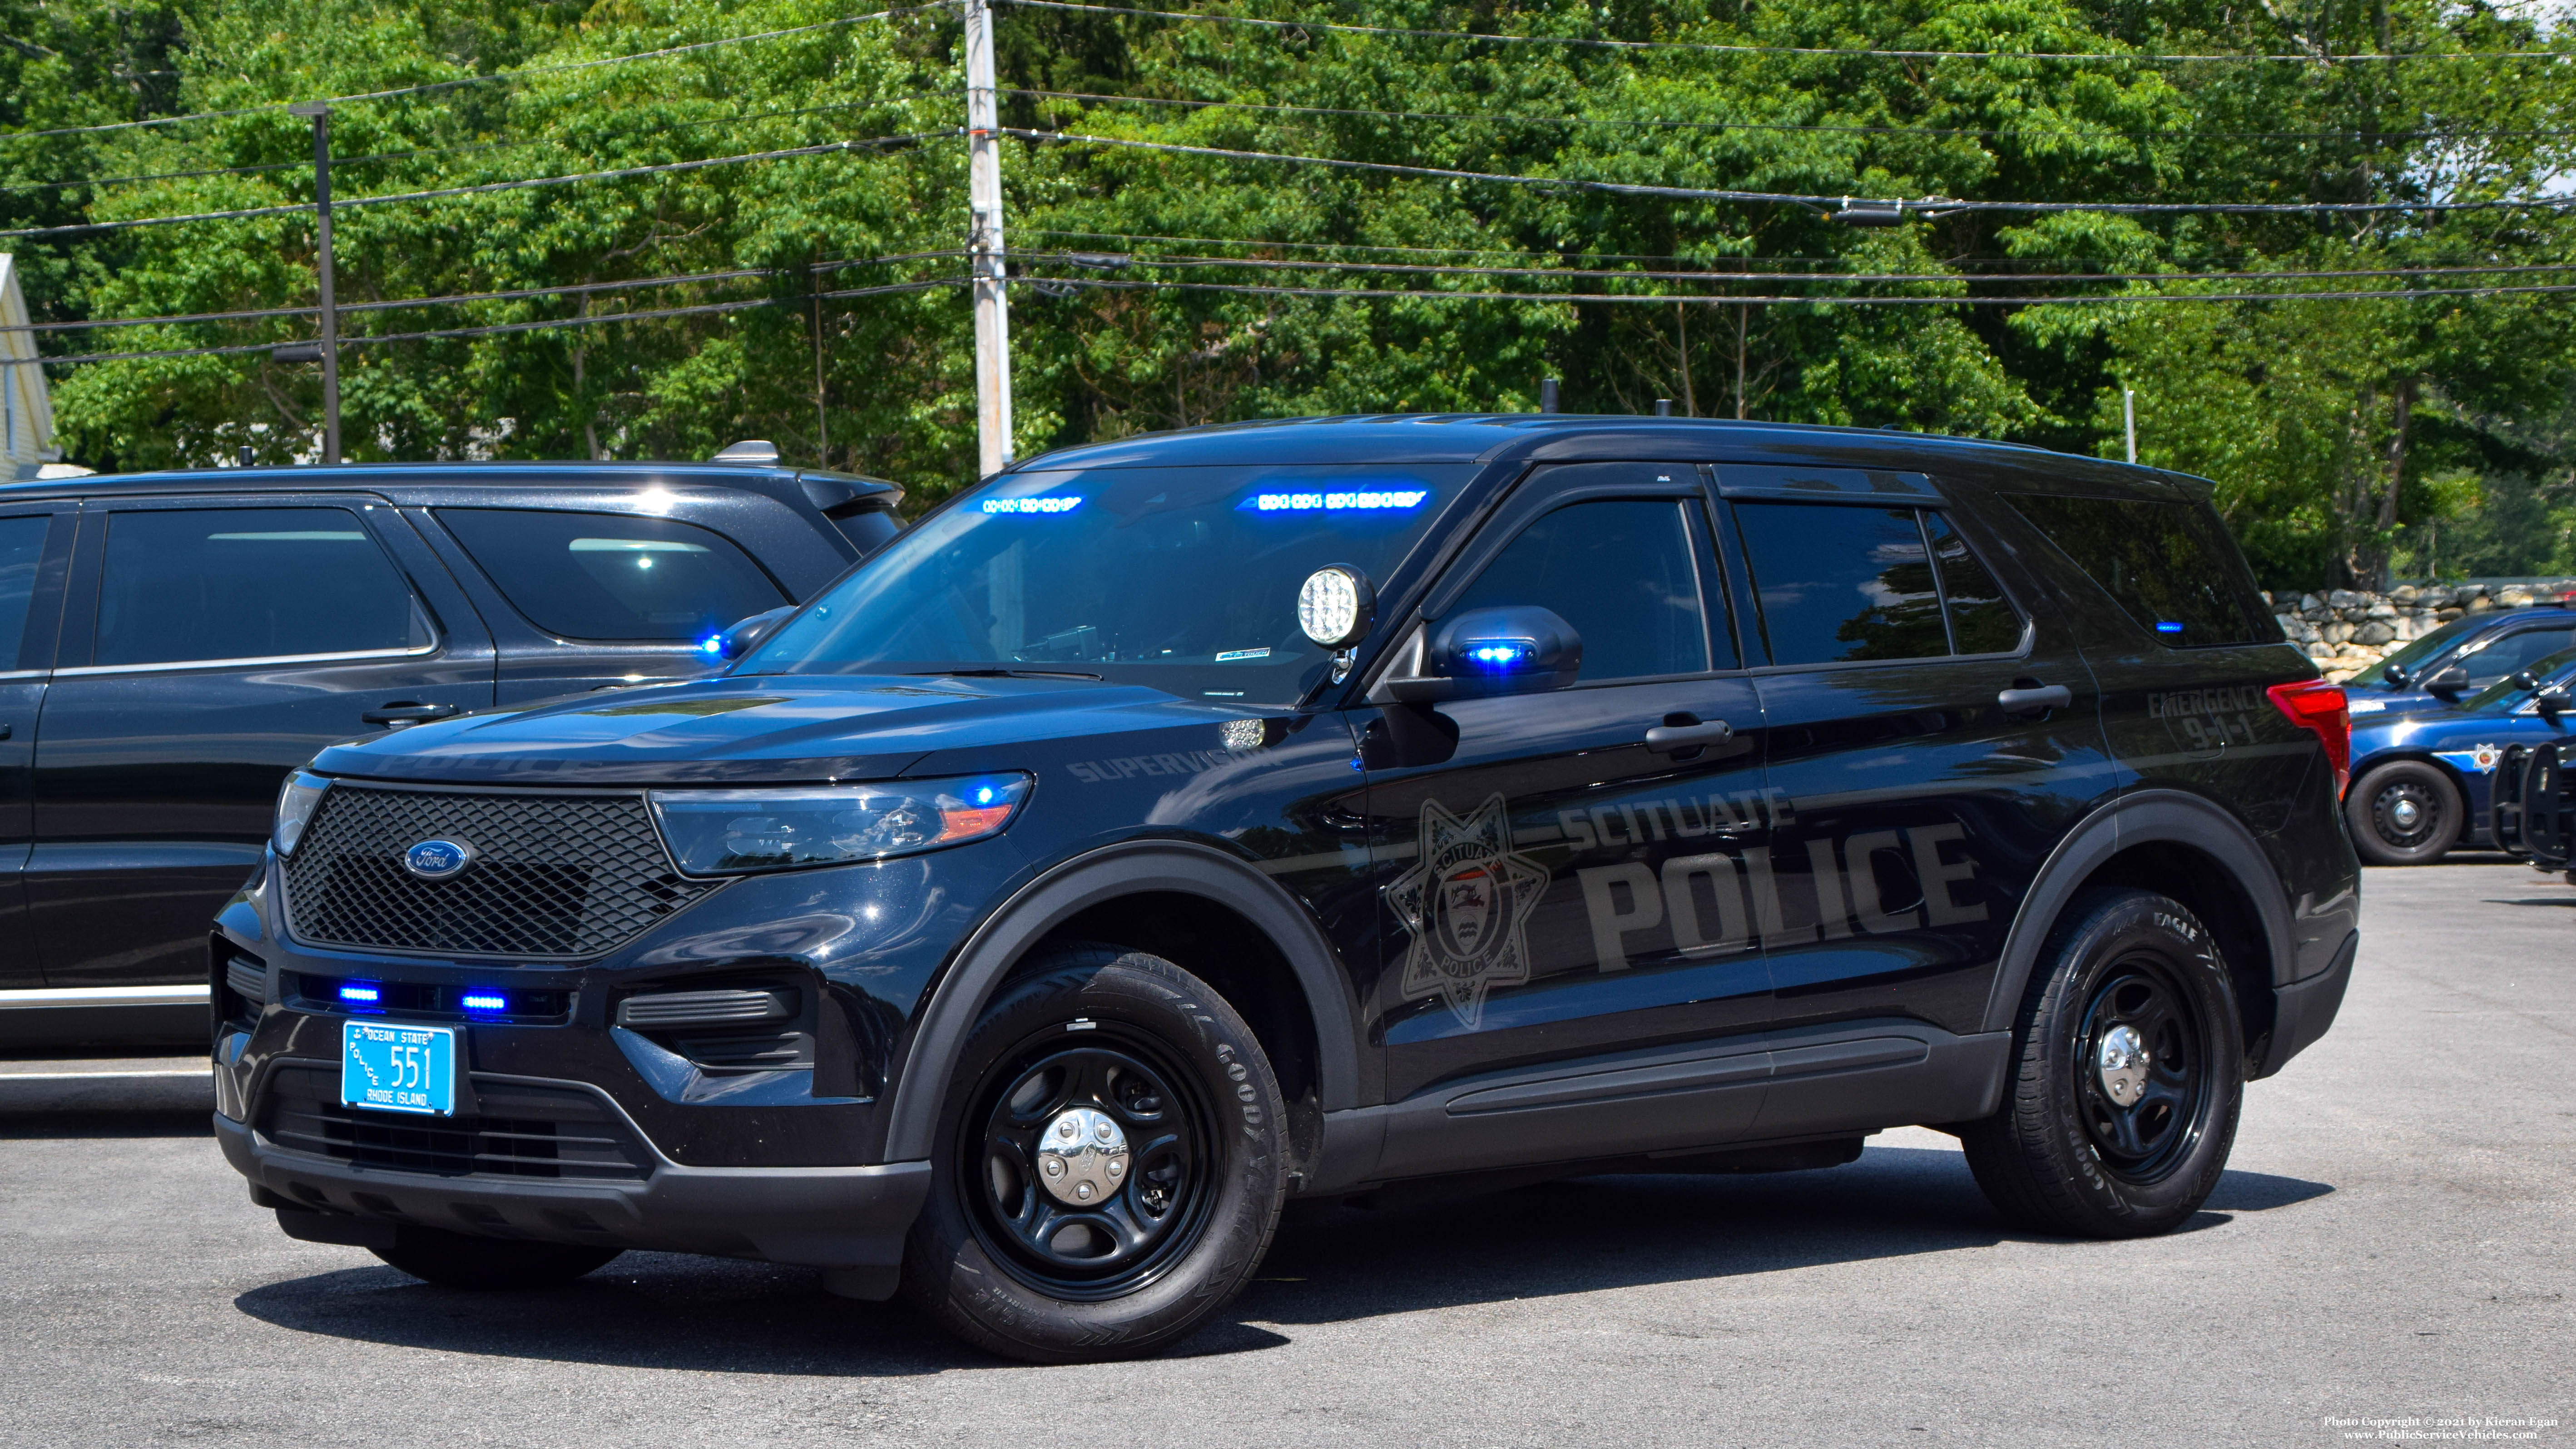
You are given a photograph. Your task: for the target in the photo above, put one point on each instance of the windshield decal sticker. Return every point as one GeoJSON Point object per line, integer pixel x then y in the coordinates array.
{"type": "Point", "coordinates": [1230, 655]}
{"type": "Point", "coordinates": [1467, 902]}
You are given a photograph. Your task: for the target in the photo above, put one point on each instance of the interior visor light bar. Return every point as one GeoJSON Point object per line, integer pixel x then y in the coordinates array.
{"type": "Point", "coordinates": [1031, 505]}
{"type": "Point", "coordinates": [1372, 500]}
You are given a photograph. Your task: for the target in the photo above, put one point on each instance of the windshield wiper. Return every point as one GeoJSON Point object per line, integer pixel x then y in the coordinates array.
{"type": "Point", "coordinates": [1008, 673]}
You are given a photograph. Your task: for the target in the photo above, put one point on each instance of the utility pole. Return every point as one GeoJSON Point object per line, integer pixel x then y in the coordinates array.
{"type": "Point", "coordinates": [2129, 420]}
{"type": "Point", "coordinates": [984, 197]}
{"type": "Point", "coordinates": [321, 115]}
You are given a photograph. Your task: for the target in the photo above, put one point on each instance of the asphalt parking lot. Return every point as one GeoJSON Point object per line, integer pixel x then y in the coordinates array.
{"type": "Point", "coordinates": [2392, 1240]}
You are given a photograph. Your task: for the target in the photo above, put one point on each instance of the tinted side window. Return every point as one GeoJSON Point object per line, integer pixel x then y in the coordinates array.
{"type": "Point", "coordinates": [1623, 573]}
{"type": "Point", "coordinates": [1842, 583]}
{"type": "Point", "coordinates": [2170, 565]}
{"type": "Point", "coordinates": [2507, 653]}
{"type": "Point", "coordinates": [249, 583]}
{"type": "Point", "coordinates": [614, 578]}
{"type": "Point", "coordinates": [22, 547]}
{"type": "Point", "coordinates": [1982, 620]}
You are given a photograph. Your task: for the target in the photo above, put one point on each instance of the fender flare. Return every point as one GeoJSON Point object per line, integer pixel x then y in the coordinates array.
{"type": "Point", "coordinates": [1065, 890]}
{"type": "Point", "coordinates": [2141, 818]}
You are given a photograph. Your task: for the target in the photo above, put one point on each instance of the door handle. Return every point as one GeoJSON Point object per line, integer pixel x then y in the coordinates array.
{"type": "Point", "coordinates": [1672, 739]}
{"type": "Point", "coordinates": [2036, 699]}
{"type": "Point", "coordinates": [403, 712]}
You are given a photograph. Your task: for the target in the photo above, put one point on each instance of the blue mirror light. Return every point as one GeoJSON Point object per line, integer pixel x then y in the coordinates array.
{"type": "Point", "coordinates": [361, 992]}
{"type": "Point", "coordinates": [713, 644]}
{"type": "Point", "coordinates": [1502, 654]}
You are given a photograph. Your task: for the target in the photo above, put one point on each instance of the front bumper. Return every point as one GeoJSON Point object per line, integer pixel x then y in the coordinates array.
{"type": "Point", "coordinates": [848, 1219]}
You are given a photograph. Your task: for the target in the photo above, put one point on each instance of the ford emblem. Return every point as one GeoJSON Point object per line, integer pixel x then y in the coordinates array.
{"type": "Point", "coordinates": [436, 859]}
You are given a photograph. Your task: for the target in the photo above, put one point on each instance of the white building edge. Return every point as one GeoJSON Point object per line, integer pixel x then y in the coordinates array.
{"type": "Point", "coordinates": [26, 405]}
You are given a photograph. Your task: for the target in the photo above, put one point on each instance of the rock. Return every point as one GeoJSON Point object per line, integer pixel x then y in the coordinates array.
{"type": "Point", "coordinates": [2317, 649]}
{"type": "Point", "coordinates": [2344, 598]}
{"type": "Point", "coordinates": [2436, 597]}
{"type": "Point", "coordinates": [2403, 594]}
{"type": "Point", "coordinates": [2467, 592]}
{"type": "Point", "coordinates": [2481, 604]}
{"type": "Point", "coordinates": [2380, 610]}
{"type": "Point", "coordinates": [2311, 605]}
{"type": "Point", "coordinates": [2447, 615]}
{"type": "Point", "coordinates": [2514, 596]}
{"type": "Point", "coordinates": [2336, 633]}
{"type": "Point", "coordinates": [2375, 633]}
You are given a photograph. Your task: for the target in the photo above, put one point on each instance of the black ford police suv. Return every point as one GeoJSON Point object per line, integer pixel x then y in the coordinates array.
{"type": "Point", "coordinates": [1171, 827]}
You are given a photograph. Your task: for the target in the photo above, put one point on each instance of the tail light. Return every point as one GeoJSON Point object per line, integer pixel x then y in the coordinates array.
{"type": "Point", "coordinates": [2318, 707]}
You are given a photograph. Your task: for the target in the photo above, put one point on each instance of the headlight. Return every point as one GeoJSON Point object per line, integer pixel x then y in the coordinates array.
{"type": "Point", "coordinates": [734, 832]}
{"type": "Point", "coordinates": [295, 806]}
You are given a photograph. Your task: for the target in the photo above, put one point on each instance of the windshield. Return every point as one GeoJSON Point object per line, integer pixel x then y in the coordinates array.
{"type": "Point", "coordinates": [2411, 659]}
{"type": "Point", "coordinates": [2545, 669]}
{"type": "Point", "coordinates": [1185, 579]}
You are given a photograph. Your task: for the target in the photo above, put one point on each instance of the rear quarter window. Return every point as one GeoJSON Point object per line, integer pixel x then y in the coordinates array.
{"type": "Point", "coordinates": [2170, 566]}
{"type": "Point", "coordinates": [614, 578]}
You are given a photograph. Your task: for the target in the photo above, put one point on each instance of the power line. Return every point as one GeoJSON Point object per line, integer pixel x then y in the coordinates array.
{"type": "Point", "coordinates": [1731, 49]}
{"type": "Point", "coordinates": [1712, 275]}
{"type": "Point", "coordinates": [1932, 207]}
{"type": "Point", "coordinates": [1725, 300]}
{"type": "Point", "coordinates": [337, 162]}
{"type": "Point", "coordinates": [1989, 131]}
{"type": "Point", "coordinates": [486, 187]}
{"type": "Point", "coordinates": [494, 329]}
{"type": "Point", "coordinates": [454, 299]}
{"type": "Point", "coordinates": [431, 87]}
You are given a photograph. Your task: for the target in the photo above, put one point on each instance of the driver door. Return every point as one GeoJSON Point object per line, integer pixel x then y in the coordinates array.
{"type": "Point", "coordinates": [1555, 889]}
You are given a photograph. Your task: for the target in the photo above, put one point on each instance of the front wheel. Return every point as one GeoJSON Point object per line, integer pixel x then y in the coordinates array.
{"type": "Point", "coordinates": [2406, 812]}
{"type": "Point", "coordinates": [1109, 1164]}
{"type": "Point", "coordinates": [2128, 1074]}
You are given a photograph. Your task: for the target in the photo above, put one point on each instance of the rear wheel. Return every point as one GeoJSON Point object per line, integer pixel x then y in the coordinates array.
{"type": "Point", "coordinates": [2129, 1071]}
{"type": "Point", "coordinates": [459, 1260]}
{"type": "Point", "coordinates": [2405, 812]}
{"type": "Point", "coordinates": [1109, 1166]}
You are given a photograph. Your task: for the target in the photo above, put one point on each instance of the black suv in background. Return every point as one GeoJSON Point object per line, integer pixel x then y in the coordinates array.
{"type": "Point", "coordinates": [177, 642]}
{"type": "Point", "coordinates": [1172, 826]}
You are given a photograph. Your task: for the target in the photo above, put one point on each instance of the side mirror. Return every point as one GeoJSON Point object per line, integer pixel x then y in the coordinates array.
{"type": "Point", "coordinates": [2447, 682]}
{"type": "Point", "coordinates": [1511, 649]}
{"type": "Point", "coordinates": [2523, 679]}
{"type": "Point", "coordinates": [2553, 702]}
{"type": "Point", "coordinates": [2397, 676]}
{"type": "Point", "coordinates": [746, 634]}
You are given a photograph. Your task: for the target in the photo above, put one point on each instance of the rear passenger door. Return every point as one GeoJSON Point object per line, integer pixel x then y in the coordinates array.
{"type": "Point", "coordinates": [35, 545]}
{"type": "Point", "coordinates": [1931, 739]}
{"type": "Point", "coordinates": [599, 600]}
{"type": "Point", "coordinates": [209, 647]}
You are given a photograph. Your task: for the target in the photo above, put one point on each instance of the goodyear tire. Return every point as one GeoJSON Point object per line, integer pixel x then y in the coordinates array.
{"type": "Point", "coordinates": [1109, 1165]}
{"type": "Point", "coordinates": [460, 1260]}
{"type": "Point", "coordinates": [2128, 1074]}
{"type": "Point", "coordinates": [2405, 812]}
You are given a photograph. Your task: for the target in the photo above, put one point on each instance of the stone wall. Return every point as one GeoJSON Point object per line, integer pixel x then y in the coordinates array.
{"type": "Point", "coordinates": [2349, 633]}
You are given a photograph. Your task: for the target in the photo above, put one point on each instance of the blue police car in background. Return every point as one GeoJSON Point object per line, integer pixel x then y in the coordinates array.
{"type": "Point", "coordinates": [2435, 673]}
{"type": "Point", "coordinates": [2420, 781]}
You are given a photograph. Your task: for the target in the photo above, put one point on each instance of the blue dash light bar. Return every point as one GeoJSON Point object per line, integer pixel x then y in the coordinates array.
{"type": "Point", "coordinates": [1032, 505]}
{"type": "Point", "coordinates": [360, 991]}
{"type": "Point", "coordinates": [2168, 628]}
{"type": "Point", "coordinates": [484, 1001]}
{"type": "Point", "coordinates": [1368, 500]}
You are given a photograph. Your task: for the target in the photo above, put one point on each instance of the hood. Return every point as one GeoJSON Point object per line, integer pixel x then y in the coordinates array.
{"type": "Point", "coordinates": [763, 729]}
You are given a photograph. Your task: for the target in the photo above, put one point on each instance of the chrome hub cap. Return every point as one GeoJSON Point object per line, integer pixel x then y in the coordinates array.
{"type": "Point", "coordinates": [2406, 813]}
{"type": "Point", "coordinates": [1082, 1157]}
{"type": "Point", "coordinates": [2123, 1062]}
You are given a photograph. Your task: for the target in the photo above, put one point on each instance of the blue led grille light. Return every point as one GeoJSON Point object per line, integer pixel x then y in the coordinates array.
{"type": "Point", "coordinates": [1363, 500]}
{"type": "Point", "coordinates": [1032, 505]}
{"type": "Point", "coordinates": [359, 991]}
{"type": "Point", "coordinates": [484, 1001]}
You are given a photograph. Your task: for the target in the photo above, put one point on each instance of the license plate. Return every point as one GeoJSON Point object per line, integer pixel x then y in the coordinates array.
{"type": "Point", "coordinates": [392, 1068]}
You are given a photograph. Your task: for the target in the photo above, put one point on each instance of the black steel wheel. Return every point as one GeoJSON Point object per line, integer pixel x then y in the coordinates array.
{"type": "Point", "coordinates": [2406, 812]}
{"type": "Point", "coordinates": [1079, 1236]}
{"type": "Point", "coordinates": [2141, 1071]}
{"type": "Point", "coordinates": [1109, 1167]}
{"type": "Point", "coordinates": [2127, 1075]}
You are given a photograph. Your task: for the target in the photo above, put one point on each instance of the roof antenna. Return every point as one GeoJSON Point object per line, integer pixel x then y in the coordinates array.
{"type": "Point", "coordinates": [1547, 395]}
{"type": "Point", "coordinates": [1663, 407]}
{"type": "Point", "coordinates": [244, 455]}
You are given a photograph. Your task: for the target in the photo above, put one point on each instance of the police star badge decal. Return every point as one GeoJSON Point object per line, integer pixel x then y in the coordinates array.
{"type": "Point", "coordinates": [1466, 902]}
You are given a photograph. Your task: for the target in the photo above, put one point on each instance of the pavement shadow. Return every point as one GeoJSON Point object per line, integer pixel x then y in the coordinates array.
{"type": "Point", "coordinates": [34, 1125]}
{"type": "Point", "coordinates": [2563, 902]}
{"type": "Point", "coordinates": [1327, 1264]}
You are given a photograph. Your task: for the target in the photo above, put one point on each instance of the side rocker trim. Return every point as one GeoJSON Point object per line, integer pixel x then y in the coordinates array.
{"type": "Point", "coordinates": [2141, 818]}
{"type": "Point", "coordinates": [1112, 871]}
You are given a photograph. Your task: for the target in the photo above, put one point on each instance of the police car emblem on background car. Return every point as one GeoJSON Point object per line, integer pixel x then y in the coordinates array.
{"type": "Point", "coordinates": [436, 859]}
